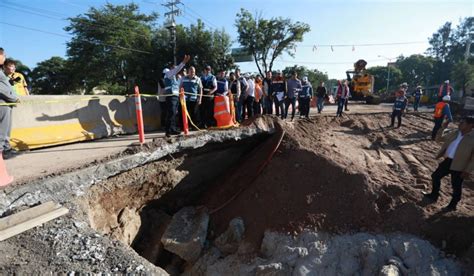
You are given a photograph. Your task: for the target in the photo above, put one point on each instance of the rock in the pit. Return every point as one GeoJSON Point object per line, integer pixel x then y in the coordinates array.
{"type": "Point", "coordinates": [273, 269]}
{"type": "Point", "coordinates": [389, 270]}
{"type": "Point", "coordinates": [186, 233]}
{"type": "Point", "coordinates": [228, 242]}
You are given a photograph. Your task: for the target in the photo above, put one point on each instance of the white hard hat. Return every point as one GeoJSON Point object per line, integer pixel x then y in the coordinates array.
{"type": "Point", "coordinates": [305, 78]}
{"type": "Point", "coordinates": [166, 70]}
{"type": "Point", "coordinates": [446, 98]}
{"type": "Point", "coordinates": [446, 81]}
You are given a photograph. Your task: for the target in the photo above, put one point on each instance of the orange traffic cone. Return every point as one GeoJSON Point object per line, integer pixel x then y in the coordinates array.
{"type": "Point", "coordinates": [5, 179]}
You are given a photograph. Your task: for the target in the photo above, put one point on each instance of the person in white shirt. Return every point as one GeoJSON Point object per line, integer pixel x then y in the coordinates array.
{"type": "Point", "coordinates": [458, 154]}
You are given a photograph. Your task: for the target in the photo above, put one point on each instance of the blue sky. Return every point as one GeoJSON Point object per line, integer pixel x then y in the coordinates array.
{"type": "Point", "coordinates": [332, 23]}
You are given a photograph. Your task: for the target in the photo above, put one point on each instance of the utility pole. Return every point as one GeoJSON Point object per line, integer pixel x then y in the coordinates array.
{"type": "Point", "coordinates": [170, 23]}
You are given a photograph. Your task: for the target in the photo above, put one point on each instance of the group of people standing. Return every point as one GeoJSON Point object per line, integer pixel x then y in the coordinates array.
{"type": "Point", "coordinates": [252, 95]}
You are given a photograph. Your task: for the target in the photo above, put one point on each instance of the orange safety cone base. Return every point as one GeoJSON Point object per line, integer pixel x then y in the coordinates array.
{"type": "Point", "coordinates": [5, 179]}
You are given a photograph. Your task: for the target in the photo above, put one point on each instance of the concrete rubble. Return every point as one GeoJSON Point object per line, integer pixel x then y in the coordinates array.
{"type": "Point", "coordinates": [186, 233]}
{"type": "Point", "coordinates": [313, 253]}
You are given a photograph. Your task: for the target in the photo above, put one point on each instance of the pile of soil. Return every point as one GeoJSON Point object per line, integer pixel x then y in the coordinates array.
{"type": "Point", "coordinates": [342, 175]}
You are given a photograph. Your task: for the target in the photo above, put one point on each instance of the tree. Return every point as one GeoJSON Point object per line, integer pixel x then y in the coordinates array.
{"type": "Point", "coordinates": [109, 46]}
{"type": "Point", "coordinates": [380, 74]}
{"type": "Point", "coordinates": [266, 39]}
{"type": "Point", "coordinates": [205, 46]}
{"type": "Point", "coordinates": [51, 77]}
{"type": "Point", "coordinates": [314, 75]}
{"type": "Point", "coordinates": [416, 69]}
{"type": "Point", "coordinates": [463, 76]}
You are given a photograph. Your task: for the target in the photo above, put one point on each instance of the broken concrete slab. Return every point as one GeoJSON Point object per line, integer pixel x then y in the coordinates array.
{"type": "Point", "coordinates": [186, 233]}
{"type": "Point", "coordinates": [229, 241]}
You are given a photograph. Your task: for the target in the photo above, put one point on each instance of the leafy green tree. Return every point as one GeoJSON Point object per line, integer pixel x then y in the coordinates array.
{"type": "Point", "coordinates": [380, 74]}
{"type": "Point", "coordinates": [266, 39]}
{"type": "Point", "coordinates": [51, 77]}
{"type": "Point", "coordinates": [416, 69]}
{"type": "Point", "coordinates": [109, 46]}
{"type": "Point", "coordinates": [314, 75]}
{"type": "Point", "coordinates": [463, 76]}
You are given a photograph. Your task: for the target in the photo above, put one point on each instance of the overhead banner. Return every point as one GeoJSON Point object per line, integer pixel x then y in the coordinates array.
{"type": "Point", "coordinates": [241, 55]}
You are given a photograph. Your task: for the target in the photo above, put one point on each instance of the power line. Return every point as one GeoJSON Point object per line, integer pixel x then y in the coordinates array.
{"type": "Point", "coordinates": [326, 63]}
{"type": "Point", "coordinates": [69, 36]}
{"type": "Point", "coordinates": [200, 17]}
{"type": "Point", "coordinates": [363, 44]}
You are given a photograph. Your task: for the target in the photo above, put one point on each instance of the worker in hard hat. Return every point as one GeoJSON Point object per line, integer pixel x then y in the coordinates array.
{"type": "Point", "coordinates": [209, 84]}
{"type": "Point", "coordinates": [441, 112]}
{"type": "Point", "coordinates": [172, 92]}
{"type": "Point", "coordinates": [417, 95]}
{"type": "Point", "coordinates": [304, 97]}
{"type": "Point", "coordinates": [444, 89]}
{"type": "Point", "coordinates": [192, 87]}
{"type": "Point", "coordinates": [398, 108]}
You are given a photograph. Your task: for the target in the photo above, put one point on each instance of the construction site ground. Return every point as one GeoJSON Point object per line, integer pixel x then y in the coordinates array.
{"type": "Point", "coordinates": [340, 176]}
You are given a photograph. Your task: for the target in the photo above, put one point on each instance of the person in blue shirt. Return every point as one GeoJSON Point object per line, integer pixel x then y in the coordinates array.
{"type": "Point", "coordinates": [193, 88]}
{"type": "Point", "coordinates": [172, 94]}
{"type": "Point", "coordinates": [398, 108]}
{"type": "Point", "coordinates": [209, 87]}
{"type": "Point", "coordinates": [417, 95]}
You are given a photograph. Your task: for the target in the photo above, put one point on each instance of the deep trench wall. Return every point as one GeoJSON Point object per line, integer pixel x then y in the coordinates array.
{"type": "Point", "coordinates": [40, 121]}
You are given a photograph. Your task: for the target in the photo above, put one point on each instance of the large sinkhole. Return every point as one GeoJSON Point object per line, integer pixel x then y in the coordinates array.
{"type": "Point", "coordinates": [136, 206]}
{"type": "Point", "coordinates": [261, 182]}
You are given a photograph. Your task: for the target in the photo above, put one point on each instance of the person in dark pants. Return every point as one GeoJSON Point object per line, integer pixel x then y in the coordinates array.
{"type": "Point", "coordinates": [398, 108]}
{"type": "Point", "coordinates": [267, 94]}
{"type": "Point", "coordinates": [321, 94]}
{"type": "Point", "coordinates": [442, 111]}
{"type": "Point", "coordinates": [304, 97]}
{"type": "Point", "coordinates": [341, 96]}
{"type": "Point", "coordinates": [193, 88]}
{"type": "Point", "coordinates": [293, 88]}
{"type": "Point", "coordinates": [162, 100]}
{"type": "Point", "coordinates": [209, 84]}
{"type": "Point", "coordinates": [279, 91]}
{"type": "Point", "coordinates": [172, 88]}
{"type": "Point", "coordinates": [458, 152]}
{"type": "Point", "coordinates": [417, 95]}
{"type": "Point", "coordinates": [244, 86]}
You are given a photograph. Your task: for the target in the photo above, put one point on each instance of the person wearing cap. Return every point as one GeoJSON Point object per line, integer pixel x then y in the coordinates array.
{"type": "Point", "coordinates": [222, 84]}
{"type": "Point", "coordinates": [441, 111]}
{"type": "Point", "coordinates": [458, 153]}
{"type": "Point", "coordinates": [267, 94]}
{"type": "Point", "coordinates": [279, 93]}
{"type": "Point", "coordinates": [398, 108]}
{"type": "Point", "coordinates": [304, 97]}
{"type": "Point", "coordinates": [209, 84]}
{"type": "Point", "coordinates": [417, 95]}
{"type": "Point", "coordinates": [444, 89]}
{"type": "Point", "coordinates": [7, 95]}
{"type": "Point", "coordinates": [172, 98]}
{"type": "Point", "coordinates": [321, 93]}
{"type": "Point", "coordinates": [294, 87]}
{"type": "Point", "coordinates": [192, 87]}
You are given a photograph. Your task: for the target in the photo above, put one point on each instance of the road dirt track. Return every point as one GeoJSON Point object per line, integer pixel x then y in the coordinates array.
{"type": "Point", "coordinates": [350, 174]}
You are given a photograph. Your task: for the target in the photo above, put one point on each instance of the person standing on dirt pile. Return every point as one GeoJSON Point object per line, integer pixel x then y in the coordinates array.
{"type": "Point", "coordinates": [444, 89]}
{"type": "Point", "coordinates": [417, 95]}
{"type": "Point", "coordinates": [321, 93]}
{"type": "Point", "coordinates": [442, 111]}
{"type": "Point", "coordinates": [193, 88]}
{"type": "Point", "coordinates": [279, 93]}
{"type": "Point", "coordinates": [304, 97]}
{"type": "Point", "coordinates": [458, 152]}
{"type": "Point", "coordinates": [172, 87]}
{"type": "Point", "coordinates": [209, 86]}
{"type": "Point", "coordinates": [398, 108]}
{"type": "Point", "coordinates": [293, 88]}
{"type": "Point", "coordinates": [267, 94]}
{"type": "Point", "coordinates": [7, 95]}
{"type": "Point", "coordinates": [341, 96]}
{"type": "Point", "coordinates": [234, 87]}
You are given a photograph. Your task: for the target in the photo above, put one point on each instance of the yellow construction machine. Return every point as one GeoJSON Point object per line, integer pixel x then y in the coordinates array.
{"type": "Point", "coordinates": [361, 84]}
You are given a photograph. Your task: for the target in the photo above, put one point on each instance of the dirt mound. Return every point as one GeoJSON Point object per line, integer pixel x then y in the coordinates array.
{"type": "Point", "coordinates": [344, 175]}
